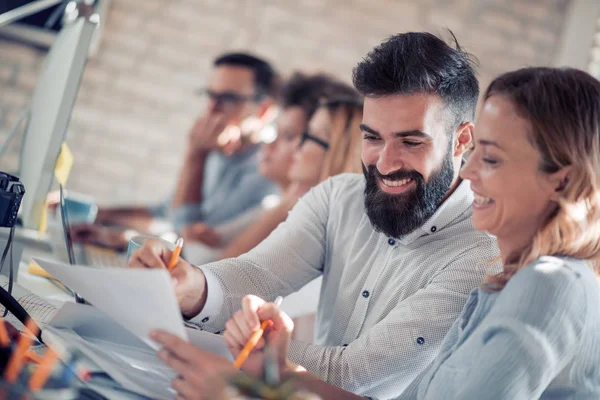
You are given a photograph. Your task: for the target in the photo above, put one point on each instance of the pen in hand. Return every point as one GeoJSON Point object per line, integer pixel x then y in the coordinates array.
{"type": "Point", "coordinates": [252, 342]}
{"type": "Point", "coordinates": [176, 254]}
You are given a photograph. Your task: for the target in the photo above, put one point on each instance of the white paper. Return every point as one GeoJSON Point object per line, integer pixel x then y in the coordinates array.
{"type": "Point", "coordinates": [125, 358]}
{"type": "Point", "coordinates": [210, 342]}
{"type": "Point", "coordinates": [135, 369]}
{"type": "Point", "coordinates": [139, 300]}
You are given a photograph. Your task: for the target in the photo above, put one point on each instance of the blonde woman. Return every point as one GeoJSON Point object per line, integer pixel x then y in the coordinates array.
{"type": "Point", "coordinates": [532, 331]}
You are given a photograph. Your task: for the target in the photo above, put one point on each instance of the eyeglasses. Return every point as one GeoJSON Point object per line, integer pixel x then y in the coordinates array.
{"type": "Point", "coordinates": [228, 98]}
{"type": "Point", "coordinates": [307, 136]}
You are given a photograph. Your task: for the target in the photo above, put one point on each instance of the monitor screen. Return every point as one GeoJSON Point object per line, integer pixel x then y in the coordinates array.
{"type": "Point", "coordinates": [38, 19]}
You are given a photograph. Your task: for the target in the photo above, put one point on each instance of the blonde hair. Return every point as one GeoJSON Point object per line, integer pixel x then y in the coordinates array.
{"type": "Point", "coordinates": [563, 107]}
{"type": "Point", "coordinates": [345, 140]}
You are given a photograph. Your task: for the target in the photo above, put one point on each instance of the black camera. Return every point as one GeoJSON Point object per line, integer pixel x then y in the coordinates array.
{"type": "Point", "coordinates": [11, 194]}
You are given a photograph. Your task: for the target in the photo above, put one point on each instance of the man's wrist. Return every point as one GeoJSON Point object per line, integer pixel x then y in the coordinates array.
{"type": "Point", "coordinates": [197, 305]}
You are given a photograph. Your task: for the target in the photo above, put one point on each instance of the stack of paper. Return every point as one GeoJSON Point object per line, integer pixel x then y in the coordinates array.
{"type": "Point", "coordinates": [114, 334]}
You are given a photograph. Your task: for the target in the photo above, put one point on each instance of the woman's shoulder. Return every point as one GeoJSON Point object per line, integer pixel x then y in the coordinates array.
{"type": "Point", "coordinates": [556, 276]}
{"type": "Point", "coordinates": [552, 293]}
{"type": "Point", "coordinates": [556, 268]}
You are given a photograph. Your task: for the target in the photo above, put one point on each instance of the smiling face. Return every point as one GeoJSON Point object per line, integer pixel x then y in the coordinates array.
{"type": "Point", "coordinates": [410, 157]}
{"type": "Point", "coordinates": [512, 195]}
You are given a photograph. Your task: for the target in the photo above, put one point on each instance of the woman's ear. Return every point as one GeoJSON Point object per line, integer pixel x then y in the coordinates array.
{"type": "Point", "coordinates": [559, 181]}
{"type": "Point", "coordinates": [463, 139]}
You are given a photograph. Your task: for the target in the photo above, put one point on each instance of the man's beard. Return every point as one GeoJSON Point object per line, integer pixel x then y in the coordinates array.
{"type": "Point", "coordinates": [396, 215]}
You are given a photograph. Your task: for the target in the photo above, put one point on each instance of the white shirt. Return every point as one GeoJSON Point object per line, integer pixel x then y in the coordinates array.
{"type": "Point", "coordinates": [386, 304]}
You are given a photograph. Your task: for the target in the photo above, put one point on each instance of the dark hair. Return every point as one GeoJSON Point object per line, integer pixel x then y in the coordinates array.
{"type": "Point", "coordinates": [420, 62]}
{"type": "Point", "coordinates": [340, 92]}
{"type": "Point", "coordinates": [308, 91]}
{"type": "Point", "coordinates": [563, 109]}
{"type": "Point", "coordinates": [265, 77]}
{"type": "Point", "coordinates": [304, 91]}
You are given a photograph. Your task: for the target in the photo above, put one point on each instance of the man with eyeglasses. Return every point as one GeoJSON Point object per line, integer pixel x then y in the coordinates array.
{"type": "Point", "coordinates": [219, 178]}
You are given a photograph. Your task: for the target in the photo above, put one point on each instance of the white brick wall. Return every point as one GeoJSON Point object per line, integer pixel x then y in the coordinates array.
{"type": "Point", "coordinates": [137, 96]}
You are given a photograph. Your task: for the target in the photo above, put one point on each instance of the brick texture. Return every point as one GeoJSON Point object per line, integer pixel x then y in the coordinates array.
{"type": "Point", "coordinates": [137, 97]}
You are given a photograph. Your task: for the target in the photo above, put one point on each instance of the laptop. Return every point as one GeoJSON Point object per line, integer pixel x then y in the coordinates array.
{"type": "Point", "coordinates": [86, 254]}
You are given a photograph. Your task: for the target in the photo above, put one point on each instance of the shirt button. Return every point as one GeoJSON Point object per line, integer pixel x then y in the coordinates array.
{"type": "Point", "coordinates": [205, 319]}
{"type": "Point", "coordinates": [420, 340]}
{"type": "Point", "coordinates": [391, 242]}
{"type": "Point", "coordinates": [433, 229]}
{"type": "Point", "coordinates": [365, 293]}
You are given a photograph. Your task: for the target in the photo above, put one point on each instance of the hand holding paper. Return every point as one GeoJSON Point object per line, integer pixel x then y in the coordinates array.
{"type": "Point", "coordinates": [141, 300]}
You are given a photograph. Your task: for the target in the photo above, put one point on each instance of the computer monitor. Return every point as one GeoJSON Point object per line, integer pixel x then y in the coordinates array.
{"type": "Point", "coordinates": [50, 113]}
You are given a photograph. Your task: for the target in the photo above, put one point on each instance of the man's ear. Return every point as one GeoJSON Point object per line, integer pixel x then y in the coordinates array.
{"type": "Point", "coordinates": [463, 139]}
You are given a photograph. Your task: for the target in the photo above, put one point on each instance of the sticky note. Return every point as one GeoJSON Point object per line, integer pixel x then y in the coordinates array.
{"type": "Point", "coordinates": [35, 269]}
{"type": "Point", "coordinates": [43, 225]}
{"type": "Point", "coordinates": [64, 163]}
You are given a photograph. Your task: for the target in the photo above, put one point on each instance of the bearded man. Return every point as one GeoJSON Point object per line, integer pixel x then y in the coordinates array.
{"type": "Point", "coordinates": [395, 247]}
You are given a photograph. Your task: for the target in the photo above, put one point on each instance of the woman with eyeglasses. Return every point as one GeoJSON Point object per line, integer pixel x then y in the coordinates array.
{"type": "Point", "coordinates": [330, 146]}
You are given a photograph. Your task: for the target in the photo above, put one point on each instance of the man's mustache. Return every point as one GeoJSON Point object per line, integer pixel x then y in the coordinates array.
{"type": "Point", "coordinates": [393, 176]}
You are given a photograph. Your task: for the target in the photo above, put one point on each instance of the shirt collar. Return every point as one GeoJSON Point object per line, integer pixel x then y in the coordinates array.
{"type": "Point", "coordinates": [459, 201]}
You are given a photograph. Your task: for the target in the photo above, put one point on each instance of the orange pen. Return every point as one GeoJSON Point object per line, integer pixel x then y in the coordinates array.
{"type": "Point", "coordinates": [15, 364]}
{"type": "Point", "coordinates": [241, 358]}
{"type": "Point", "coordinates": [43, 371]}
{"type": "Point", "coordinates": [176, 253]}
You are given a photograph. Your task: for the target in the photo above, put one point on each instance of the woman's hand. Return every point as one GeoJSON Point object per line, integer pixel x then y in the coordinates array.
{"type": "Point", "coordinates": [200, 232]}
{"type": "Point", "coordinates": [248, 320]}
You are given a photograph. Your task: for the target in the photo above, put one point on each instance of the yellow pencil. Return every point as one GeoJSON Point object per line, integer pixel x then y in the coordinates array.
{"type": "Point", "coordinates": [241, 358]}
{"type": "Point", "coordinates": [176, 253]}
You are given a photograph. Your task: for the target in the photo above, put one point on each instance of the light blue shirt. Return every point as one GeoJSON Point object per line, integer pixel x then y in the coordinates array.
{"type": "Point", "coordinates": [231, 186]}
{"type": "Point", "coordinates": [537, 338]}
